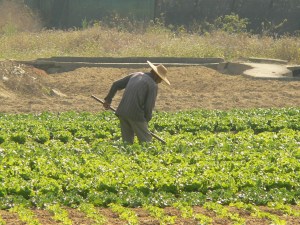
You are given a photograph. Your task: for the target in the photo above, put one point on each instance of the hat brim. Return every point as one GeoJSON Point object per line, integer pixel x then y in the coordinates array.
{"type": "Point", "coordinates": [160, 75]}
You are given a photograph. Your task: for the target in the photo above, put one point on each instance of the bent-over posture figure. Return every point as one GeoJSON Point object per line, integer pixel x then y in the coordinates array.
{"type": "Point", "coordinates": [138, 101]}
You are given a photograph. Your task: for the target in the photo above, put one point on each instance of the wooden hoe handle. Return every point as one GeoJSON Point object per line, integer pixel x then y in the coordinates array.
{"type": "Point", "coordinates": [114, 110]}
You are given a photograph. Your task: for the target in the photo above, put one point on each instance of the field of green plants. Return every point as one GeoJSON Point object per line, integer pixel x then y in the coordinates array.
{"type": "Point", "coordinates": [242, 158]}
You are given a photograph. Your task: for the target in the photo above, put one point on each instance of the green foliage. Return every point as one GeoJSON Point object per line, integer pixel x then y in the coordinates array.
{"type": "Point", "coordinates": [84, 23]}
{"type": "Point", "coordinates": [63, 136]}
{"type": "Point", "coordinates": [203, 219]}
{"type": "Point", "coordinates": [41, 136]}
{"type": "Point", "coordinates": [19, 137]}
{"type": "Point", "coordinates": [231, 23]}
{"type": "Point", "coordinates": [256, 212]}
{"type": "Point", "coordinates": [248, 156]}
{"type": "Point", "coordinates": [60, 214]}
{"type": "Point", "coordinates": [2, 222]}
{"type": "Point", "coordinates": [188, 212]}
{"type": "Point", "coordinates": [25, 215]}
{"type": "Point", "coordinates": [223, 212]}
{"type": "Point", "coordinates": [287, 209]}
{"type": "Point", "coordinates": [159, 214]}
{"type": "Point", "coordinates": [91, 212]}
{"type": "Point", "coordinates": [2, 137]}
{"type": "Point", "coordinates": [269, 28]}
{"type": "Point", "coordinates": [125, 213]}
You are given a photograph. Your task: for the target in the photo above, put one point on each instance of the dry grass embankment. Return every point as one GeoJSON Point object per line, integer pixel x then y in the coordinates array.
{"type": "Point", "coordinates": [17, 17]}
{"type": "Point", "coordinates": [101, 41]}
{"type": "Point", "coordinates": [19, 39]}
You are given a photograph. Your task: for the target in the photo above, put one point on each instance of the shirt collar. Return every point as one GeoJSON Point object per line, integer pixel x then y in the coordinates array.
{"type": "Point", "coordinates": [150, 75]}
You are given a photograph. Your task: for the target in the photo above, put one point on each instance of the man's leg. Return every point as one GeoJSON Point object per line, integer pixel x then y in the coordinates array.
{"type": "Point", "coordinates": [126, 130]}
{"type": "Point", "coordinates": [141, 130]}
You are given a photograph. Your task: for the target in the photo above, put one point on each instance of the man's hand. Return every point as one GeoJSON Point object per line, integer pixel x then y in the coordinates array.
{"type": "Point", "coordinates": [106, 105]}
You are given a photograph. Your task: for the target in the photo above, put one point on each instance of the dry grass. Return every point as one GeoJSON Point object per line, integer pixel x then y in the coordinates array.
{"type": "Point", "coordinates": [101, 41]}
{"type": "Point", "coordinates": [22, 38]}
{"type": "Point", "coordinates": [15, 17]}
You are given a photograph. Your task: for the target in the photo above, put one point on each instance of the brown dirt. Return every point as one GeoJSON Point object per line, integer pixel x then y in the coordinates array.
{"type": "Point", "coordinates": [25, 89]}
{"type": "Point", "coordinates": [78, 218]}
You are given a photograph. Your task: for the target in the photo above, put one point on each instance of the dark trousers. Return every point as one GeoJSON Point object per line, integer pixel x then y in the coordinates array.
{"type": "Point", "coordinates": [129, 128]}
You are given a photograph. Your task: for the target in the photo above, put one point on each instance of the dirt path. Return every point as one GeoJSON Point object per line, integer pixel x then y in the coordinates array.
{"type": "Point", "coordinates": [24, 89]}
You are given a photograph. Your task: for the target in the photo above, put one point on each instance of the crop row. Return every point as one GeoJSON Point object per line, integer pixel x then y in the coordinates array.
{"type": "Point", "coordinates": [238, 213]}
{"type": "Point", "coordinates": [46, 126]}
{"type": "Point", "coordinates": [72, 158]}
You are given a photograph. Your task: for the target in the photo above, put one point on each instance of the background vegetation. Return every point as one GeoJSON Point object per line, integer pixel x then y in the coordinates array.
{"type": "Point", "coordinates": [226, 37]}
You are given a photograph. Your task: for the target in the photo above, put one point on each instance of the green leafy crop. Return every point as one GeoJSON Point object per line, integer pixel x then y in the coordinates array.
{"type": "Point", "coordinates": [71, 159]}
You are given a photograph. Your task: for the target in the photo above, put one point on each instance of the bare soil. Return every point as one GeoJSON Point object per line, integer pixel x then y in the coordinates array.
{"type": "Point", "coordinates": [25, 89]}
{"type": "Point", "coordinates": [78, 218]}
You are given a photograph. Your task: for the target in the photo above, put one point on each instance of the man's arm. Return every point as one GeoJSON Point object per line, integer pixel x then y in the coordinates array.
{"type": "Point", "coordinates": [116, 86]}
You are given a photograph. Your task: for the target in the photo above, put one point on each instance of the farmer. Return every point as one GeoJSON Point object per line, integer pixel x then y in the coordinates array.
{"type": "Point", "coordinates": [137, 103]}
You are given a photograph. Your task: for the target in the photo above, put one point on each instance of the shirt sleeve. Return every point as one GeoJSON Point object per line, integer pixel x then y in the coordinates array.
{"type": "Point", "coordinates": [116, 86]}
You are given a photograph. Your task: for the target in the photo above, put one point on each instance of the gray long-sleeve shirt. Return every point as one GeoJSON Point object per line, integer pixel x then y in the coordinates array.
{"type": "Point", "coordinates": [139, 96]}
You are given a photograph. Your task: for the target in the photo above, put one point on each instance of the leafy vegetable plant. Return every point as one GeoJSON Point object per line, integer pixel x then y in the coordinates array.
{"type": "Point", "coordinates": [25, 215]}
{"type": "Point", "coordinates": [125, 213]}
{"type": "Point", "coordinates": [60, 214]}
{"type": "Point", "coordinates": [92, 213]}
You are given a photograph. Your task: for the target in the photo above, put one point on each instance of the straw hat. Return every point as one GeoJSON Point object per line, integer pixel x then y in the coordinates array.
{"type": "Point", "coordinates": [161, 71]}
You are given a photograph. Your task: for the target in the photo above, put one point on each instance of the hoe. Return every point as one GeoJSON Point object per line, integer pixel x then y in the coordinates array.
{"type": "Point", "coordinates": [113, 109]}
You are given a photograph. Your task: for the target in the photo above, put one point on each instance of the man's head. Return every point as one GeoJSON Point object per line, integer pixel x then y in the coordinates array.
{"type": "Point", "coordinates": [161, 73]}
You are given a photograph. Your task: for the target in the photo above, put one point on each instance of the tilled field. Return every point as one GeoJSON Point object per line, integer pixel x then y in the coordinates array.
{"type": "Point", "coordinates": [24, 89]}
